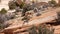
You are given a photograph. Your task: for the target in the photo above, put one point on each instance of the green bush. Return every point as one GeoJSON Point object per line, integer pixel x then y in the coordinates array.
{"type": "Point", "coordinates": [3, 11]}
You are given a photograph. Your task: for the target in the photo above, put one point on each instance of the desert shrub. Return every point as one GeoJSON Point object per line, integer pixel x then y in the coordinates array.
{"type": "Point", "coordinates": [38, 14]}
{"type": "Point", "coordinates": [2, 26]}
{"type": "Point", "coordinates": [23, 13]}
{"type": "Point", "coordinates": [52, 3]}
{"type": "Point", "coordinates": [26, 19]}
{"type": "Point", "coordinates": [27, 7]}
{"type": "Point", "coordinates": [22, 5]}
{"type": "Point", "coordinates": [43, 29]}
{"type": "Point", "coordinates": [12, 5]}
{"type": "Point", "coordinates": [33, 30]}
{"type": "Point", "coordinates": [3, 11]}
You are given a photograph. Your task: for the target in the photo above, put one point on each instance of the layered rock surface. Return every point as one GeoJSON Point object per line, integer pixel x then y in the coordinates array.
{"type": "Point", "coordinates": [18, 26]}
